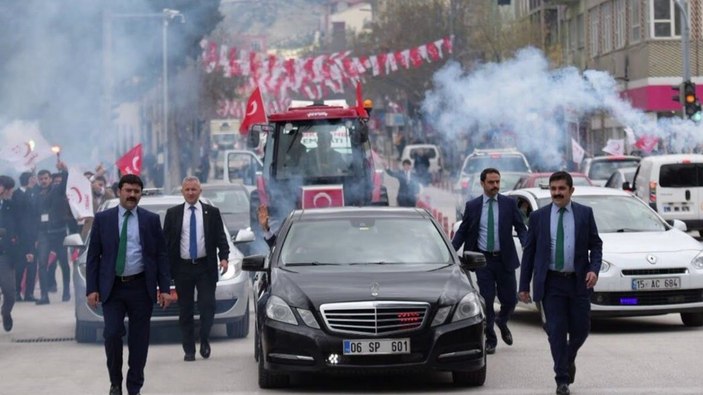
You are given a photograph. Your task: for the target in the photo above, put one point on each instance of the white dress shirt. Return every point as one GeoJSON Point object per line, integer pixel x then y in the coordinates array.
{"type": "Point", "coordinates": [199, 230]}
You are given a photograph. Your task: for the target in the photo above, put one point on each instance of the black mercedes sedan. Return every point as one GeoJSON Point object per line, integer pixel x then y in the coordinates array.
{"type": "Point", "coordinates": [366, 290]}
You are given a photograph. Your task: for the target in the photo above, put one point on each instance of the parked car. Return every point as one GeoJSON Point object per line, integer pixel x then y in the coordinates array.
{"type": "Point", "coordinates": [621, 176]}
{"type": "Point", "coordinates": [231, 295]}
{"type": "Point", "coordinates": [379, 289]}
{"type": "Point", "coordinates": [536, 179]}
{"type": "Point", "coordinates": [673, 186]}
{"type": "Point", "coordinates": [431, 151]}
{"type": "Point", "coordinates": [506, 160]}
{"type": "Point", "coordinates": [649, 266]}
{"type": "Point", "coordinates": [599, 168]}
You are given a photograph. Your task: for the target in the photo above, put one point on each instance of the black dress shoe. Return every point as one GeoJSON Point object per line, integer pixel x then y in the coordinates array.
{"type": "Point", "coordinates": [7, 322]}
{"type": "Point", "coordinates": [490, 349]}
{"type": "Point", "coordinates": [115, 390]}
{"type": "Point", "coordinates": [563, 389]}
{"type": "Point", "coordinates": [29, 298]}
{"type": "Point", "coordinates": [572, 372]}
{"type": "Point", "coordinates": [205, 349]}
{"type": "Point", "coordinates": [505, 334]}
{"type": "Point", "coordinates": [189, 357]}
{"type": "Point", "coordinates": [43, 301]}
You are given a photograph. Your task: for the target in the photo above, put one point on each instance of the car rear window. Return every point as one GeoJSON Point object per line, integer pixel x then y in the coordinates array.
{"type": "Point", "coordinates": [603, 169]}
{"type": "Point", "coordinates": [681, 175]}
{"type": "Point", "coordinates": [428, 152]}
{"type": "Point", "coordinates": [502, 162]}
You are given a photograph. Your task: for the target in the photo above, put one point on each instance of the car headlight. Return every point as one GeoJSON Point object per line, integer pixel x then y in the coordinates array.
{"type": "Point", "coordinates": [697, 262]}
{"type": "Point", "coordinates": [278, 310]}
{"type": "Point", "coordinates": [441, 315]}
{"type": "Point", "coordinates": [605, 266]}
{"type": "Point", "coordinates": [308, 318]}
{"type": "Point", "coordinates": [469, 307]}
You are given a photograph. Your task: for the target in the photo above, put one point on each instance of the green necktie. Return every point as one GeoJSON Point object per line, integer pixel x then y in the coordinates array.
{"type": "Point", "coordinates": [122, 250]}
{"type": "Point", "coordinates": [559, 256]}
{"type": "Point", "coordinates": [490, 238]}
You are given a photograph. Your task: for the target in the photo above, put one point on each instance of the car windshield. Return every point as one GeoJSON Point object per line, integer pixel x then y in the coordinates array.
{"type": "Point", "coordinates": [602, 169]}
{"type": "Point", "coordinates": [356, 241]}
{"type": "Point", "coordinates": [229, 201]}
{"type": "Point", "coordinates": [619, 213]}
{"type": "Point", "coordinates": [502, 162]}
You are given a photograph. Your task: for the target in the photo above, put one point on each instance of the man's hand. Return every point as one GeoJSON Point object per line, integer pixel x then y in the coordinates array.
{"type": "Point", "coordinates": [224, 264]}
{"type": "Point", "coordinates": [93, 299]}
{"type": "Point", "coordinates": [29, 257]}
{"type": "Point", "coordinates": [263, 214]}
{"type": "Point", "coordinates": [524, 297]}
{"type": "Point", "coordinates": [164, 300]}
{"type": "Point", "coordinates": [61, 166]}
{"type": "Point", "coordinates": [591, 279]}
{"type": "Point", "coordinates": [100, 170]}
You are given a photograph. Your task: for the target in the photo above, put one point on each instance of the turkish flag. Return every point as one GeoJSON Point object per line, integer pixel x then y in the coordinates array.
{"type": "Point", "coordinates": [647, 143]}
{"type": "Point", "coordinates": [322, 196]}
{"type": "Point", "coordinates": [255, 112]}
{"type": "Point", "coordinates": [131, 162]}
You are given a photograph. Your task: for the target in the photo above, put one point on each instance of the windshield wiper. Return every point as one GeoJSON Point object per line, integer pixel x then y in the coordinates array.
{"type": "Point", "coordinates": [376, 263]}
{"type": "Point", "coordinates": [313, 263]}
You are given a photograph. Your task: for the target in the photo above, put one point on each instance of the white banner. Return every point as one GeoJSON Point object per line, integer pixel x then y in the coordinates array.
{"type": "Point", "coordinates": [79, 194]}
{"type": "Point", "coordinates": [577, 152]}
{"type": "Point", "coordinates": [22, 144]}
{"type": "Point", "coordinates": [615, 147]}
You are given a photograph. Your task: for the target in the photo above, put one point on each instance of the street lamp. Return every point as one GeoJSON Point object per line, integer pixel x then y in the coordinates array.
{"type": "Point", "coordinates": [168, 16]}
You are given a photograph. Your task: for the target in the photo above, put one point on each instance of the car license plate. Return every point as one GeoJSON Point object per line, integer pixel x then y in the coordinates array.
{"type": "Point", "coordinates": [377, 346]}
{"type": "Point", "coordinates": [656, 283]}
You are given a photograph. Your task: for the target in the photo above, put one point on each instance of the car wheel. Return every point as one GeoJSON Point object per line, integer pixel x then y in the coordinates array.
{"type": "Point", "coordinates": [239, 329]}
{"type": "Point", "coordinates": [85, 333]}
{"type": "Point", "coordinates": [692, 319]}
{"type": "Point", "coordinates": [268, 379]}
{"type": "Point", "coordinates": [470, 379]}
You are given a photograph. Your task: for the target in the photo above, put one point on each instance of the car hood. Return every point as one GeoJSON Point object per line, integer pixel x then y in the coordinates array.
{"type": "Point", "coordinates": [306, 285]}
{"type": "Point", "coordinates": [647, 242]}
{"type": "Point", "coordinates": [236, 221]}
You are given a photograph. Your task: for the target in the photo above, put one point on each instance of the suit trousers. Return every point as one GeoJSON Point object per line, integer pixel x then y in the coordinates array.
{"type": "Point", "coordinates": [566, 313]}
{"type": "Point", "coordinates": [49, 242]}
{"type": "Point", "coordinates": [494, 279]}
{"type": "Point", "coordinates": [7, 285]}
{"type": "Point", "coordinates": [129, 299]}
{"type": "Point", "coordinates": [191, 277]}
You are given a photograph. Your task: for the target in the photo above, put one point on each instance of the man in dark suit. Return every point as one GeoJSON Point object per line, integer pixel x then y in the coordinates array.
{"type": "Point", "coordinates": [195, 237]}
{"type": "Point", "coordinates": [25, 265]}
{"type": "Point", "coordinates": [126, 261]}
{"type": "Point", "coordinates": [487, 226]}
{"type": "Point", "coordinates": [562, 258]}
{"type": "Point", "coordinates": [408, 186]}
{"type": "Point", "coordinates": [8, 239]}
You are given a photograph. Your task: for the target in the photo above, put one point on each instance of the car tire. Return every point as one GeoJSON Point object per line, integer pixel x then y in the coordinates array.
{"type": "Point", "coordinates": [269, 379]}
{"type": "Point", "coordinates": [85, 333]}
{"type": "Point", "coordinates": [239, 329]}
{"type": "Point", "coordinates": [692, 319]}
{"type": "Point", "coordinates": [470, 379]}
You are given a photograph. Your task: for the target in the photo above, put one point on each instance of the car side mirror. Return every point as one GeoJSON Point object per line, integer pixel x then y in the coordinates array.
{"type": "Point", "coordinates": [678, 224]}
{"type": "Point", "coordinates": [254, 263]}
{"type": "Point", "coordinates": [626, 186]}
{"type": "Point", "coordinates": [74, 240]}
{"type": "Point", "coordinates": [243, 236]}
{"type": "Point", "coordinates": [472, 260]}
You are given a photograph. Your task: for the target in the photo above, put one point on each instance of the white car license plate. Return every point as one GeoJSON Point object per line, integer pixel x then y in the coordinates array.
{"type": "Point", "coordinates": [377, 346]}
{"type": "Point", "coordinates": [656, 283]}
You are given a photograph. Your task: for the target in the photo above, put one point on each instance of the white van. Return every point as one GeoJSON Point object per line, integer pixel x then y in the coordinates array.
{"type": "Point", "coordinates": [673, 186]}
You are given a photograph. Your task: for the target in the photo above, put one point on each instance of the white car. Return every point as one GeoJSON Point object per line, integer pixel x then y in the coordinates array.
{"type": "Point", "coordinates": [649, 266]}
{"type": "Point", "coordinates": [231, 295]}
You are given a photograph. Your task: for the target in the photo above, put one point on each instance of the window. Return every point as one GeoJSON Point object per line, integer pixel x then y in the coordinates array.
{"type": "Point", "coordinates": [595, 29]}
{"type": "Point", "coordinates": [607, 14]}
{"type": "Point", "coordinates": [687, 175]}
{"type": "Point", "coordinates": [580, 31]}
{"type": "Point", "coordinates": [665, 19]}
{"type": "Point", "coordinates": [620, 27]}
{"type": "Point", "coordinates": [635, 21]}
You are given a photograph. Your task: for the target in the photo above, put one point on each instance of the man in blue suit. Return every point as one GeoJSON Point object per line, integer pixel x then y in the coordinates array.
{"type": "Point", "coordinates": [562, 258]}
{"type": "Point", "coordinates": [487, 226]}
{"type": "Point", "coordinates": [126, 261]}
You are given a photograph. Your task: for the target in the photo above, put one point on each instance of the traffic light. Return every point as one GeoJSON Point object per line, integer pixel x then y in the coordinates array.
{"type": "Point", "coordinates": [692, 107]}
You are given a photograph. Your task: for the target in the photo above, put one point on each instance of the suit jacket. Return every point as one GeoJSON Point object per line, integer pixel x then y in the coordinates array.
{"type": "Point", "coordinates": [25, 214]}
{"type": "Point", "coordinates": [102, 253]}
{"type": "Point", "coordinates": [538, 251]}
{"type": "Point", "coordinates": [406, 189]}
{"type": "Point", "coordinates": [215, 237]}
{"type": "Point", "coordinates": [508, 217]}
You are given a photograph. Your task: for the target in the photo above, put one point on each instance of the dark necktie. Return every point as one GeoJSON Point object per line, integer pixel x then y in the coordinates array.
{"type": "Point", "coordinates": [490, 238]}
{"type": "Point", "coordinates": [122, 250]}
{"type": "Point", "coordinates": [559, 256]}
{"type": "Point", "coordinates": [193, 239]}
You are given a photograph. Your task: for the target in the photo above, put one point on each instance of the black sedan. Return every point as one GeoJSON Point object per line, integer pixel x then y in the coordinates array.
{"type": "Point", "coordinates": [366, 290]}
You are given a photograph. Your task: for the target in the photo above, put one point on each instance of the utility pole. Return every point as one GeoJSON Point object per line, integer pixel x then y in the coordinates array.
{"type": "Point", "coordinates": [685, 34]}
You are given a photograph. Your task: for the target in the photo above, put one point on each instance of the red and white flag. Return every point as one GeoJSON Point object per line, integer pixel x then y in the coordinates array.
{"type": "Point", "coordinates": [255, 112]}
{"type": "Point", "coordinates": [647, 143]}
{"type": "Point", "coordinates": [131, 162]}
{"type": "Point", "coordinates": [615, 147]}
{"type": "Point", "coordinates": [577, 152]}
{"type": "Point", "coordinates": [79, 194]}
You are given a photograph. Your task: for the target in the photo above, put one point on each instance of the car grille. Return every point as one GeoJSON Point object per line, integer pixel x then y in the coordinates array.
{"type": "Point", "coordinates": [172, 310]}
{"type": "Point", "coordinates": [652, 272]}
{"type": "Point", "coordinates": [647, 298]}
{"type": "Point", "coordinates": [374, 318]}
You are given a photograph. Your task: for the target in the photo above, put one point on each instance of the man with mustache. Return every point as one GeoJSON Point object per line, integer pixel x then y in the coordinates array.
{"type": "Point", "coordinates": [563, 251]}
{"type": "Point", "coordinates": [487, 227]}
